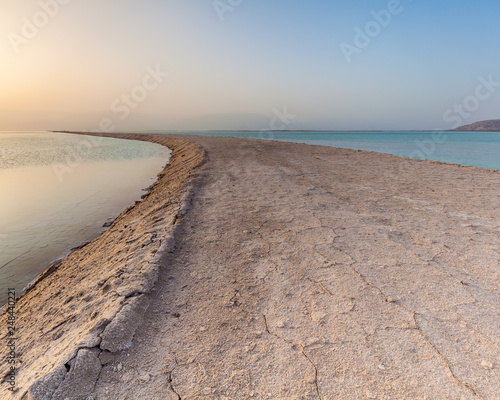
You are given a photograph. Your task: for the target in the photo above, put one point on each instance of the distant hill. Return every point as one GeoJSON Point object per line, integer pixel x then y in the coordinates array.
{"type": "Point", "coordinates": [492, 125]}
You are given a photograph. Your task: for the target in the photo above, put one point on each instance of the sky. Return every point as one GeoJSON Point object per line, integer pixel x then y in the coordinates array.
{"type": "Point", "coordinates": [248, 64]}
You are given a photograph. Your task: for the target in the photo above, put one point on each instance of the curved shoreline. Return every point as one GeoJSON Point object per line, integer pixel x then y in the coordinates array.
{"type": "Point", "coordinates": [77, 198]}
{"type": "Point", "coordinates": [100, 286]}
{"type": "Point", "coordinates": [314, 143]}
{"type": "Point", "coordinates": [302, 271]}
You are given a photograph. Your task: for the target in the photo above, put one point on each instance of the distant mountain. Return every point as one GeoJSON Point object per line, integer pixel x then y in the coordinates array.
{"type": "Point", "coordinates": [492, 125]}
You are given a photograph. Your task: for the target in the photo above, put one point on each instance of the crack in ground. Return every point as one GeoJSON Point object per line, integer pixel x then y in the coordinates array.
{"type": "Point", "coordinates": [417, 328]}
{"type": "Point", "coordinates": [479, 334]}
{"type": "Point", "coordinates": [413, 313]}
{"type": "Point", "coordinates": [100, 371]}
{"type": "Point", "coordinates": [463, 384]}
{"type": "Point", "coordinates": [302, 350]}
{"type": "Point", "coordinates": [170, 382]}
{"type": "Point", "coordinates": [70, 368]}
{"type": "Point", "coordinates": [388, 299]}
{"type": "Point", "coordinates": [173, 389]}
{"type": "Point", "coordinates": [434, 264]}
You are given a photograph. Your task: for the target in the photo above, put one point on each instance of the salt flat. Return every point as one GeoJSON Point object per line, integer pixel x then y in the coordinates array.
{"type": "Point", "coordinates": [297, 272]}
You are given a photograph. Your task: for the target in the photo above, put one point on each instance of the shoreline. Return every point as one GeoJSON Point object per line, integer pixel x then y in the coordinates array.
{"type": "Point", "coordinates": [80, 205]}
{"type": "Point", "coordinates": [334, 269]}
{"type": "Point", "coordinates": [109, 326]}
{"type": "Point", "coordinates": [193, 134]}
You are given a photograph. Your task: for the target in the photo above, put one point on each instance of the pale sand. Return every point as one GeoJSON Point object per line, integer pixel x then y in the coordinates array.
{"type": "Point", "coordinates": [297, 272]}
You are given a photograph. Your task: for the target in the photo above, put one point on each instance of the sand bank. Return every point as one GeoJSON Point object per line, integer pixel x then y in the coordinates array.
{"type": "Point", "coordinates": [297, 272]}
{"type": "Point", "coordinates": [88, 304]}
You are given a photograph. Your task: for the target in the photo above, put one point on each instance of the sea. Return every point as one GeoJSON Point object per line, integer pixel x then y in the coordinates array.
{"type": "Point", "coordinates": [477, 149]}
{"type": "Point", "coordinates": [58, 190]}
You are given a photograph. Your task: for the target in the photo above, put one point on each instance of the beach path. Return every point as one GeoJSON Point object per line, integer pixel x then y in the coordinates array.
{"type": "Point", "coordinates": [308, 272]}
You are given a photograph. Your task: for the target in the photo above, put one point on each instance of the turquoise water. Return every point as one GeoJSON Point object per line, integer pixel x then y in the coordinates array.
{"type": "Point", "coordinates": [58, 190]}
{"type": "Point", "coordinates": [478, 149]}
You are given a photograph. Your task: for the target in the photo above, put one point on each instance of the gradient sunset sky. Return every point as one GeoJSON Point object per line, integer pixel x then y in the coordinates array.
{"type": "Point", "coordinates": [231, 64]}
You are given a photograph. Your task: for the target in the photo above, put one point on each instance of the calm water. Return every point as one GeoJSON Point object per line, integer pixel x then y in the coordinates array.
{"type": "Point", "coordinates": [57, 190]}
{"type": "Point", "coordinates": [478, 149]}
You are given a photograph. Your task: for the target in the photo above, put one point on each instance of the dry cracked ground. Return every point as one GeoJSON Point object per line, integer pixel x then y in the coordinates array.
{"type": "Point", "coordinates": [307, 272]}
{"type": "Point", "coordinates": [298, 272]}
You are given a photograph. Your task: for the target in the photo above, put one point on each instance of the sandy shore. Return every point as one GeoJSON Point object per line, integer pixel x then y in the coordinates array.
{"type": "Point", "coordinates": [88, 305]}
{"type": "Point", "coordinates": [273, 270]}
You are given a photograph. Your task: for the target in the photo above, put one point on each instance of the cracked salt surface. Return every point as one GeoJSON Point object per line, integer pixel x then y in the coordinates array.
{"type": "Point", "coordinates": [335, 294]}
{"type": "Point", "coordinates": [331, 295]}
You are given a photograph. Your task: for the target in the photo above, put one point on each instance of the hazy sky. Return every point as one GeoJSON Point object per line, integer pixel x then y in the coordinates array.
{"type": "Point", "coordinates": [331, 64]}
